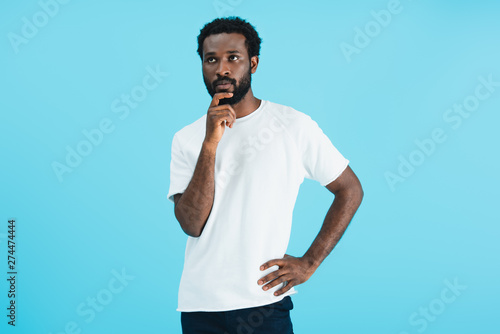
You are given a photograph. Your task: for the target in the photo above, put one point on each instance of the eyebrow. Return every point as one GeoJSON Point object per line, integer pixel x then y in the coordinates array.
{"type": "Point", "coordinates": [213, 53]}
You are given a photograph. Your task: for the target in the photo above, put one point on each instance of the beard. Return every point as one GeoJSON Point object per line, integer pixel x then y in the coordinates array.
{"type": "Point", "coordinates": [239, 90]}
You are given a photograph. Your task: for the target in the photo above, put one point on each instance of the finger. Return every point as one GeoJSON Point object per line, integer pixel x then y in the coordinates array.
{"type": "Point", "coordinates": [270, 263]}
{"type": "Point", "coordinates": [225, 107]}
{"type": "Point", "coordinates": [226, 119]}
{"type": "Point", "coordinates": [219, 96]}
{"type": "Point", "coordinates": [277, 281]}
{"type": "Point", "coordinates": [270, 277]}
{"type": "Point", "coordinates": [284, 289]}
{"type": "Point", "coordinates": [221, 117]}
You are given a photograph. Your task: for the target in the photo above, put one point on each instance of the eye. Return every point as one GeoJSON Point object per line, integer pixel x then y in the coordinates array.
{"type": "Point", "coordinates": [210, 59]}
{"type": "Point", "coordinates": [235, 57]}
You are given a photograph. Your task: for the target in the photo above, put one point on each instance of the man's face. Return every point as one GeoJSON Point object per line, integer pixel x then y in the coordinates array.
{"type": "Point", "coordinates": [226, 66]}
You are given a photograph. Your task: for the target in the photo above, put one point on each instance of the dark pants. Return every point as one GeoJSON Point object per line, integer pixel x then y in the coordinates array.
{"type": "Point", "coordinates": [268, 319]}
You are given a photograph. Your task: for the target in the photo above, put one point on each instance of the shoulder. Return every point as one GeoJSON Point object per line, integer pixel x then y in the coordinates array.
{"type": "Point", "coordinates": [291, 118]}
{"type": "Point", "coordinates": [191, 131]}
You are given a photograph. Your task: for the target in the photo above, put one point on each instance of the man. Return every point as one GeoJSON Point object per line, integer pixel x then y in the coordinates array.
{"type": "Point", "coordinates": [235, 176]}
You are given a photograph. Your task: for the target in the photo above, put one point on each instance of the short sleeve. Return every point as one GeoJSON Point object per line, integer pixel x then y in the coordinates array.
{"type": "Point", "coordinates": [180, 171]}
{"type": "Point", "coordinates": [321, 160]}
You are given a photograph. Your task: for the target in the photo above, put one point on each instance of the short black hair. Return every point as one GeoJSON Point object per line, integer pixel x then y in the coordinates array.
{"type": "Point", "coordinates": [231, 24]}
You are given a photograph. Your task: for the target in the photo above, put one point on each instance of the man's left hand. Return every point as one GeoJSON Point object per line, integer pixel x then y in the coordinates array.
{"type": "Point", "coordinates": [293, 270]}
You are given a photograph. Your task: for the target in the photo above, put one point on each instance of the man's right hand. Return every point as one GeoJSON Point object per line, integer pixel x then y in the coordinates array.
{"type": "Point", "coordinates": [218, 117]}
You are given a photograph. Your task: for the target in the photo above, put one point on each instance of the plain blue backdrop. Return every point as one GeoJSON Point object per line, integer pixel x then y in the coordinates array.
{"type": "Point", "coordinates": [408, 91]}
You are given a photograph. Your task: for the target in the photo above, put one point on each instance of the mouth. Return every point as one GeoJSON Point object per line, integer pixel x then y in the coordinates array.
{"type": "Point", "coordinates": [222, 85]}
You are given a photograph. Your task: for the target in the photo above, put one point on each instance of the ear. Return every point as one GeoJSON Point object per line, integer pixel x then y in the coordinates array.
{"type": "Point", "coordinates": [254, 62]}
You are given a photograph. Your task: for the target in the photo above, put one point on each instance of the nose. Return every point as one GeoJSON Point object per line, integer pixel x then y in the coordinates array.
{"type": "Point", "coordinates": [223, 69]}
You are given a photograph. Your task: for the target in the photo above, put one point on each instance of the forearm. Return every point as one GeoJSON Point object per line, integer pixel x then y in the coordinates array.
{"type": "Point", "coordinates": [336, 221]}
{"type": "Point", "coordinates": [194, 206]}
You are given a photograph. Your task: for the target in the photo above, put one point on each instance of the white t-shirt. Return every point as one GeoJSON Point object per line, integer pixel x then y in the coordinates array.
{"type": "Point", "coordinates": [259, 166]}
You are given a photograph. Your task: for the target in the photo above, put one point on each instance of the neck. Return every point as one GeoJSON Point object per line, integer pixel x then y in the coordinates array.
{"type": "Point", "coordinates": [247, 105]}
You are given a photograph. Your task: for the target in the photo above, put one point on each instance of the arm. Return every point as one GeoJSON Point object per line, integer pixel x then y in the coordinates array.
{"type": "Point", "coordinates": [193, 207]}
{"type": "Point", "coordinates": [296, 270]}
{"type": "Point", "coordinates": [348, 195]}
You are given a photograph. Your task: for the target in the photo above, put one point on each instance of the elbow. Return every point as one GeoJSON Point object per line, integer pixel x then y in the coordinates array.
{"type": "Point", "coordinates": [189, 229]}
{"type": "Point", "coordinates": [353, 194]}
{"type": "Point", "coordinates": [356, 191]}
{"type": "Point", "coordinates": [191, 233]}
{"type": "Point", "coordinates": [187, 226]}
{"type": "Point", "coordinates": [358, 194]}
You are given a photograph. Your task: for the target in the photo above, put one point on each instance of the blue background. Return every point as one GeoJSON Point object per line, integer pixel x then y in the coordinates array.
{"type": "Point", "coordinates": [110, 214]}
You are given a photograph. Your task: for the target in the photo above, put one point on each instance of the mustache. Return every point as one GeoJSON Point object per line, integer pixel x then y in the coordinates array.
{"type": "Point", "coordinates": [224, 80]}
